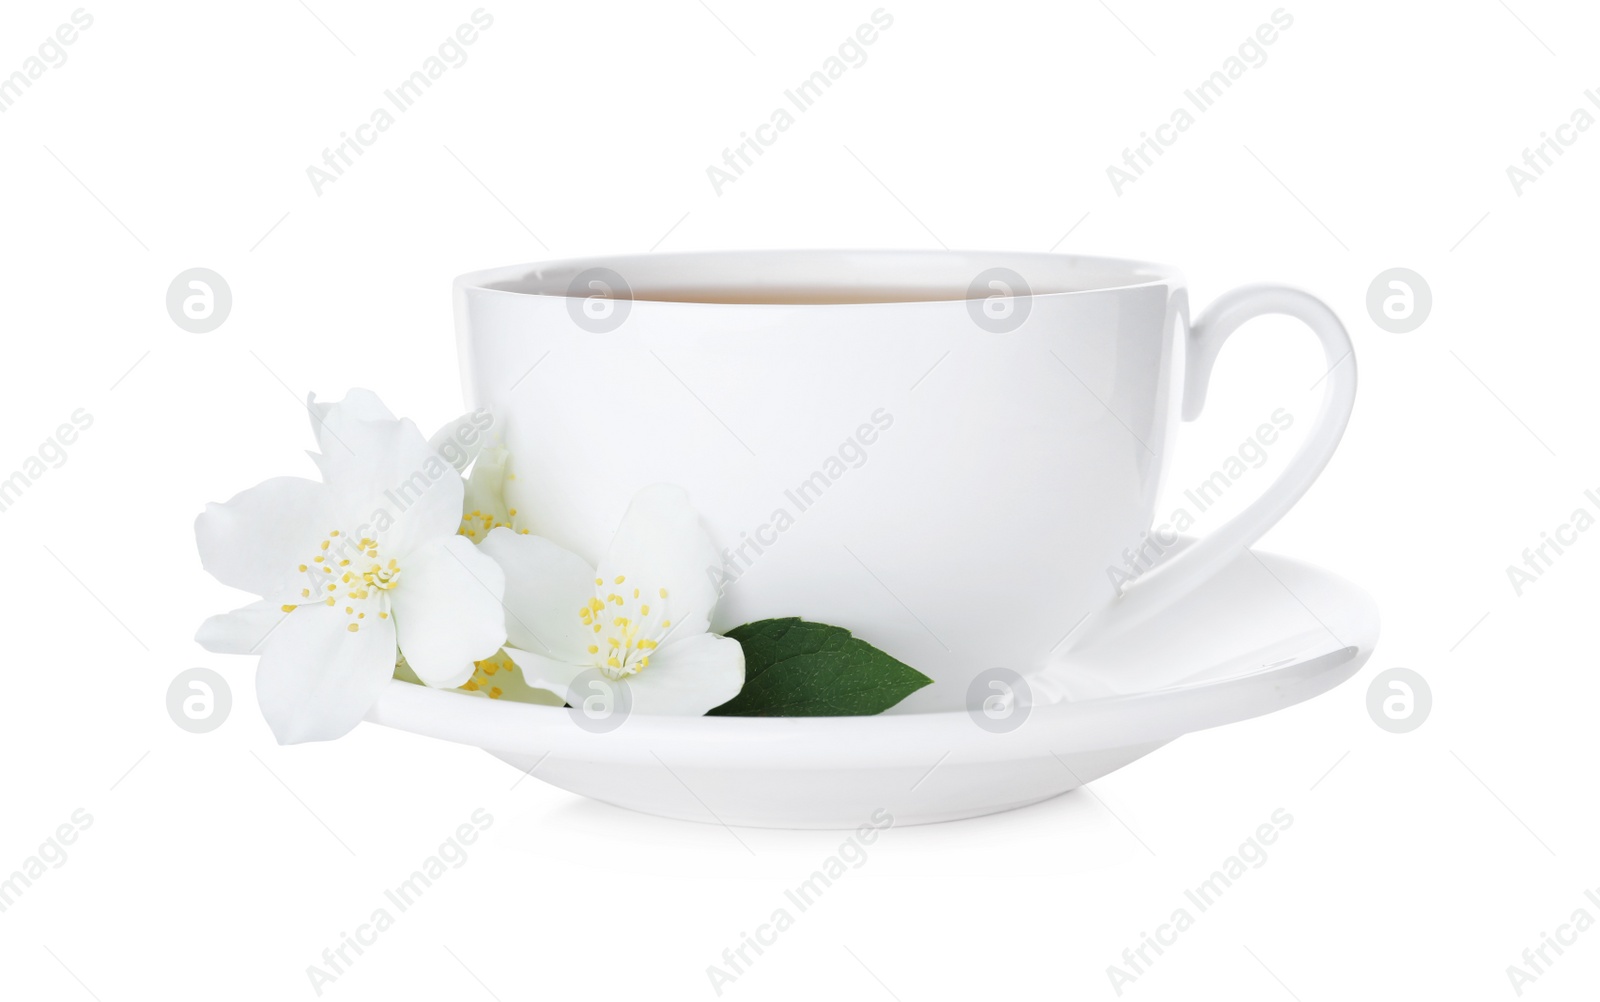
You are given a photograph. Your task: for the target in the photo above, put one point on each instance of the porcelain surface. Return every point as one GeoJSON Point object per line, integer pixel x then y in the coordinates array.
{"type": "Point", "coordinates": [944, 452]}
{"type": "Point", "coordinates": [1265, 633]}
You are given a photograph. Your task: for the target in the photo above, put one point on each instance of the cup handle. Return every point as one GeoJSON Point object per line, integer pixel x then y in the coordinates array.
{"type": "Point", "coordinates": [1169, 581]}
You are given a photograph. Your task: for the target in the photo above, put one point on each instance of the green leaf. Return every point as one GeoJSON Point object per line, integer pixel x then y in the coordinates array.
{"type": "Point", "coordinates": [793, 668]}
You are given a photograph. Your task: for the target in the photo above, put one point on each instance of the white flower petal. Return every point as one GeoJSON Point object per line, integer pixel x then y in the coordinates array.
{"type": "Point", "coordinates": [485, 501]}
{"type": "Point", "coordinates": [547, 673]}
{"type": "Point", "coordinates": [316, 679]}
{"type": "Point", "coordinates": [690, 676]}
{"type": "Point", "coordinates": [662, 544]}
{"type": "Point", "coordinates": [255, 540]}
{"type": "Point", "coordinates": [545, 587]}
{"type": "Point", "coordinates": [242, 631]}
{"type": "Point", "coordinates": [461, 440]}
{"type": "Point", "coordinates": [390, 486]}
{"type": "Point", "coordinates": [388, 481]}
{"type": "Point", "coordinates": [447, 609]}
{"type": "Point", "coordinates": [424, 495]}
{"type": "Point", "coordinates": [341, 427]}
{"type": "Point", "coordinates": [358, 404]}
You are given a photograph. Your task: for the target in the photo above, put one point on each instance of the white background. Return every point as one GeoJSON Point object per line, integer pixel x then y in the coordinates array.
{"type": "Point", "coordinates": [1376, 135]}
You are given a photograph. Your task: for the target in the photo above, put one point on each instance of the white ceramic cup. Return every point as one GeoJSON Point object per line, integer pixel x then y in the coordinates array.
{"type": "Point", "coordinates": [944, 452]}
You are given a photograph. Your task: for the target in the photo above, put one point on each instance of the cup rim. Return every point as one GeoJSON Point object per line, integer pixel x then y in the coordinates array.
{"type": "Point", "coordinates": [1076, 275]}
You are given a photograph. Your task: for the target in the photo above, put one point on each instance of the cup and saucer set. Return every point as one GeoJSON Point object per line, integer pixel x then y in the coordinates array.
{"type": "Point", "coordinates": [950, 454]}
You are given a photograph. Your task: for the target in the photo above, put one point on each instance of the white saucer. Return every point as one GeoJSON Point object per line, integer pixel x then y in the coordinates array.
{"type": "Point", "coordinates": [1264, 634]}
